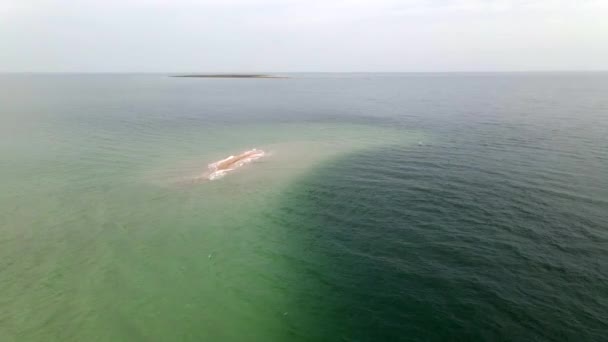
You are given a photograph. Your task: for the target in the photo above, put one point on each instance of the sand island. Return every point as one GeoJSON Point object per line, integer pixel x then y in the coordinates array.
{"type": "Point", "coordinates": [230, 76]}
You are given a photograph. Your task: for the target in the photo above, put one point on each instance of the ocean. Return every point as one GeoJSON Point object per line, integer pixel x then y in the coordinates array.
{"type": "Point", "coordinates": [388, 207]}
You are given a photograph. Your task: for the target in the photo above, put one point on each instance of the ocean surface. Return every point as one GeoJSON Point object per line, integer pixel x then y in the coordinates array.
{"type": "Point", "coordinates": [388, 207]}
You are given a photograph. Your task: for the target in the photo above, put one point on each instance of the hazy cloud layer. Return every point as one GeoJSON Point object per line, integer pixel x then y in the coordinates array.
{"type": "Point", "coordinates": [303, 35]}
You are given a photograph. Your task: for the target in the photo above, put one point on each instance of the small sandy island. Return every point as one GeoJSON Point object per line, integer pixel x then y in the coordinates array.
{"type": "Point", "coordinates": [230, 76]}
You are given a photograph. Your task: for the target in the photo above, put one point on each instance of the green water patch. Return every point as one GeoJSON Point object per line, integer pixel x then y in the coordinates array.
{"type": "Point", "coordinates": [101, 242]}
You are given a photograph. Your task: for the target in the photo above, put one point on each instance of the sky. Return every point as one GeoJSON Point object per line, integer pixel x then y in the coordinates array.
{"type": "Point", "coordinates": [302, 35]}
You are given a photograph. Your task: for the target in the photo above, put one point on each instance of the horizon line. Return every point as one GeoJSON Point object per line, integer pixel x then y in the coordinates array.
{"type": "Point", "coordinates": [309, 72]}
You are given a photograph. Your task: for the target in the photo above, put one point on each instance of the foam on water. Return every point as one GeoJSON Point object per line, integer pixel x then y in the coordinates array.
{"type": "Point", "coordinates": [219, 168]}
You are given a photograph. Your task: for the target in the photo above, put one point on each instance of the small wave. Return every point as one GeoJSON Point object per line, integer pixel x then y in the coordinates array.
{"type": "Point", "coordinates": [219, 168]}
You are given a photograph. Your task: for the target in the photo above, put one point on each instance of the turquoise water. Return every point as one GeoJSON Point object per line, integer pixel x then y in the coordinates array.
{"type": "Point", "coordinates": [389, 207]}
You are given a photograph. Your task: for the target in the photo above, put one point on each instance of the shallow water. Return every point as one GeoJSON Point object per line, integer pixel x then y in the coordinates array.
{"type": "Point", "coordinates": [389, 207]}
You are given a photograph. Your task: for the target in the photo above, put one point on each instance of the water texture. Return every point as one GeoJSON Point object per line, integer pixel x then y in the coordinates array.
{"type": "Point", "coordinates": [387, 207]}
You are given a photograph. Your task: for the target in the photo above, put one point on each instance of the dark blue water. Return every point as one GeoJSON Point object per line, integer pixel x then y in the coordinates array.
{"type": "Point", "coordinates": [497, 230]}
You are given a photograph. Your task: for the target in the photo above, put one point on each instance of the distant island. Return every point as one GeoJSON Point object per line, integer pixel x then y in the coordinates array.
{"type": "Point", "coordinates": [230, 76]}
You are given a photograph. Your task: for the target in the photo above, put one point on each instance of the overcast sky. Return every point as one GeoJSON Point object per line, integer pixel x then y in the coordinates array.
{"type": "Point", "coordinates": [302, 35]}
